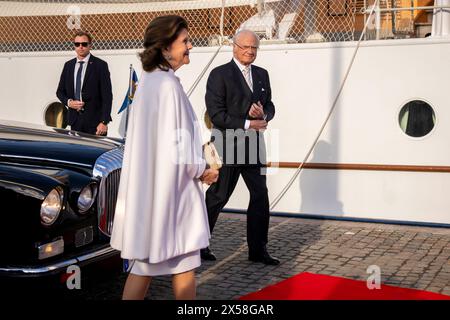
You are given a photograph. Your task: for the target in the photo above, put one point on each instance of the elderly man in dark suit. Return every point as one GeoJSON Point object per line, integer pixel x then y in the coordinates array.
{"type": "Point", "coordinates": [85, 88]}
{"type": "Point", "coordinates": [239, 104]}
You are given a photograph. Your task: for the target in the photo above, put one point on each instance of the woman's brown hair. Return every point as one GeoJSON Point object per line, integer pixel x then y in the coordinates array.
{"type": "Point", "coordinates": [160, 34]}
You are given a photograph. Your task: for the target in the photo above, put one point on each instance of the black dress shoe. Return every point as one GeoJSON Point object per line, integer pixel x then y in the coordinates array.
{"type": "Point", "coordinates": [206, 254]}
{"type": "Point", "coordinates": [264, 258]}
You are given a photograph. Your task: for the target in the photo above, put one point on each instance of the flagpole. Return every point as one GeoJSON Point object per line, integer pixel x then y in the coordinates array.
{"type": "Point", "coordinates": [130, 90]}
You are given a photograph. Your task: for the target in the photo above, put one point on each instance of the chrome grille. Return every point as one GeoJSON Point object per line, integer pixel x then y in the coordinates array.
{"type": "Point", "coordinates": [108, 168]}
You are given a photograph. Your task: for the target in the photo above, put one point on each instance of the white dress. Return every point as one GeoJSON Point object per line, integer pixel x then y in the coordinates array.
{"type": "Point", "coordinates": [160, 221]}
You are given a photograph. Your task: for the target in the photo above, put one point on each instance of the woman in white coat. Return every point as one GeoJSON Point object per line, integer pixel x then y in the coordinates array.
{"type": "Point", "coordinates": [160, 222]}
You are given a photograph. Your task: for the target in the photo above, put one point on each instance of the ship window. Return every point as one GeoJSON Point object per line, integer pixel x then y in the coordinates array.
{"type": "Point", "coordinates": [417, 118]}
{"type": "Point", "coordinates": [56, 115]}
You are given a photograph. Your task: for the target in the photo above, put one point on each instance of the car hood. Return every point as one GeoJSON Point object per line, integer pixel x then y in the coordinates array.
{"type": "Point", "coordinates": [26, 142]}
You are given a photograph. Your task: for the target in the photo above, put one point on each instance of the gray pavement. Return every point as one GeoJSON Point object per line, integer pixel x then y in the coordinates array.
{"type": "Point", "coordinates": [408, 256]}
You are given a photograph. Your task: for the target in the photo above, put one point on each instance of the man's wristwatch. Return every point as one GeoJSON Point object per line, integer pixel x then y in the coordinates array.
{"type": "Point", "coordinates": [105, 123]}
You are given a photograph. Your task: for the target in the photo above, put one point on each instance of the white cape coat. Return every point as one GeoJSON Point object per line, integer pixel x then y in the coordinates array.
{"type": "Point", "coordinates": [160, 211]}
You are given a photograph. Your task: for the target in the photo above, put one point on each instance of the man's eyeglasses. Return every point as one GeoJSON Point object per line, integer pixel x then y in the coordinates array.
{"type": "Point", "coordinates": [83, 44]}
{"type": "Point", "coordinates": [246, 47]}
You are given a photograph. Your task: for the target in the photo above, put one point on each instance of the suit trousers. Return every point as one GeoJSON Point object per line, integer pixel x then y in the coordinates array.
{"type": "Point", "coordinates": [258, 216]}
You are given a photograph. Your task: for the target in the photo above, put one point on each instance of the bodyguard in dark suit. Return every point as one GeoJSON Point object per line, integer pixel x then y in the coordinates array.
{"type": "Point", "coordinates": [85, 88]}
{"type": "Point", "coordinates": [239, 104]}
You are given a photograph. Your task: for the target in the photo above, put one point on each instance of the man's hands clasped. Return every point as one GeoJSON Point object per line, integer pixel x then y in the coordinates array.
{"type": "Point", "coordinates": [75, 104]}
{"type": "Point", "coordinates": [257, 112]}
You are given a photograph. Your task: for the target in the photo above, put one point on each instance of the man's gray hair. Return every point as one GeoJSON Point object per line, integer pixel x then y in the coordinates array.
{"type": "Point", "coordinates": [237, 34]}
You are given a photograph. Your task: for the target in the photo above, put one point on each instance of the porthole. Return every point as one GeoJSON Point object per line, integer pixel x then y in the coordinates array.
{"type": "Point", "coordinates": [55, 115]}
{"type": "Point", "coordinates": [417, 118]}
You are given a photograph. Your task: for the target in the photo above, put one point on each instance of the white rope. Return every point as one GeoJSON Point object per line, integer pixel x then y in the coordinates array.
{"type": "Point", "coordinates": [297, 172]}
{"type": "Point", "coordinates": [299, 169]}
{"type": "Point", "coordinates": [197, 81]}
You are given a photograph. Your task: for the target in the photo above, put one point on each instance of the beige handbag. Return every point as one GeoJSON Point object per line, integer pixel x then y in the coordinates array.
{"type": "Point", "coordinates": [209, 150]}
{"type": "Point", "coordinates": [211, 156]}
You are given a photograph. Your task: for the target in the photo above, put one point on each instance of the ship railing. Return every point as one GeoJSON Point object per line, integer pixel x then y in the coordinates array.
{"type": "Point", "coordinates": [438, 12]}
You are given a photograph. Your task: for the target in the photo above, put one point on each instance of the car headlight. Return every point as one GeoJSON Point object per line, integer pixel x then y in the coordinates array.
{"type": "Point", "coordinates": [51, 206]}
{"type": "Point", "coordinates": [87, 197]}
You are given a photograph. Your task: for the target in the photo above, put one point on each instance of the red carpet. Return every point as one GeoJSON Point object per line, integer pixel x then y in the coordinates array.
{"type": "Point", "coordinates": [310, 286]}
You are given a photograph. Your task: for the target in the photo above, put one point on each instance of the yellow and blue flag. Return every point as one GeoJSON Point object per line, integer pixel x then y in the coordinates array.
{"type": "Point", "coordinates": [131, 90]}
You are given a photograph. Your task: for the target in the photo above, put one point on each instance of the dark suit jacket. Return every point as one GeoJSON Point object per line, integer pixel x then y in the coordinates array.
{"type": "Point", "coordinates": [96, 93]}
{"type": "Point", "coordinates": [228, 101]}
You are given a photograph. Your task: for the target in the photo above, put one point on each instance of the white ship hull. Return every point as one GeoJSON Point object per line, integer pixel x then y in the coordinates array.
{"type": "Point", "coordinates": [363, 144]}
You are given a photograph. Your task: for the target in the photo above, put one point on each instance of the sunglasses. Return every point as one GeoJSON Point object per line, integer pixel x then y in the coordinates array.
{"type": "Point", "coordinates": [83, 44]}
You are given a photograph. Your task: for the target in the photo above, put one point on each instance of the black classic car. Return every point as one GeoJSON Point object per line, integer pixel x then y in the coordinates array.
{"type": "Point", "coordinates": [58, 190]}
